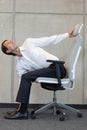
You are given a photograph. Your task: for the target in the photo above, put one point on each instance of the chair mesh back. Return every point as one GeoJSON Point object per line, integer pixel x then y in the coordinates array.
{"type": "Point", "coordinates": [72, 56]}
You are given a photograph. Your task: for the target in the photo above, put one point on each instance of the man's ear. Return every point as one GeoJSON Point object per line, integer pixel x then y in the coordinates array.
{"type": "Point", "coordinates": [8, 51]}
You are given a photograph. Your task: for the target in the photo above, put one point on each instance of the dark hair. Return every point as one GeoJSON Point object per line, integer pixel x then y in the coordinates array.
{"type": "Point", "coordinates": [4, 49]}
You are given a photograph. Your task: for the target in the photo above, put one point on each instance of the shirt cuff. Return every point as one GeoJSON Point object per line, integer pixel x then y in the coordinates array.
{"type": "Point", "coordinates": [66, 35]}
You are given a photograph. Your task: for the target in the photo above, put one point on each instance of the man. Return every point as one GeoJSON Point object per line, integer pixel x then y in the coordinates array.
{"type": "Point", "coordinates": [32, 63]}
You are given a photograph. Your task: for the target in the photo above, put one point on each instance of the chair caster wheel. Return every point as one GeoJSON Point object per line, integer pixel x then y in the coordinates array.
{"type": "Point", "coordinates": [79, 115]}
{"type": "Point", "coordinates": [32, 112]}
{"type": "Point", "coordinates": [62, 118]}
{"type": "Point", "coordinates": [33, 116]}
{"type": "Point", "coordinates": [58, 112]}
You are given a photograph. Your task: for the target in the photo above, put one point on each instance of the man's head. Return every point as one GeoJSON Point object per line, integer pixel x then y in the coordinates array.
{"type": "Point", "coordinates": [8, 47]}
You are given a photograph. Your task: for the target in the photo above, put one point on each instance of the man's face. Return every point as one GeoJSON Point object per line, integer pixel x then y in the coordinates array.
{"type": "Point", "coordinates": [11, 46]}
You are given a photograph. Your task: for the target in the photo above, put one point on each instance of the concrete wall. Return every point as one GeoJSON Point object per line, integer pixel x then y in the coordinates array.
{"type": "Point", "coordinates": [20, 19]}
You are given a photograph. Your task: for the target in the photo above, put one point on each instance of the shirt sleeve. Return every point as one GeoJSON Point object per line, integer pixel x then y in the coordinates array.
{"type": "Point", "coordinates": [45, 41]}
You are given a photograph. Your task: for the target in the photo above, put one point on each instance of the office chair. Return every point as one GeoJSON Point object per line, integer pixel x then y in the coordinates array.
{"type": "Point", "coordinates": [67, 83]}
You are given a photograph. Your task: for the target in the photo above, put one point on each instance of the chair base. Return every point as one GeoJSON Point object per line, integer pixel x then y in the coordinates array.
{"type": "Point", "coordinates": [56, 110]}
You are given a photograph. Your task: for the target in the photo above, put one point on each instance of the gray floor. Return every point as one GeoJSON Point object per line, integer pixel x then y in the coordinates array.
{"type": "Point", "coordinates": [45, 121]}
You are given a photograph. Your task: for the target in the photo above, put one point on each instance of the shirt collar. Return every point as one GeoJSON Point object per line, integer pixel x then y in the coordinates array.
{"type": "Point", "coordinates": [21, 48]}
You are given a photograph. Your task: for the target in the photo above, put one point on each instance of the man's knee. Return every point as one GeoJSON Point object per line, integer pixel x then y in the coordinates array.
{"type": "Point", "coordinates": [29, 76]}
{"type": "Point", "coordinates": [25, 76]}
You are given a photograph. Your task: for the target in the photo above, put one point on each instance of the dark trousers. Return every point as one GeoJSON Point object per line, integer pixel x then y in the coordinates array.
{"type": "Point", "coordinates": [27, 79]}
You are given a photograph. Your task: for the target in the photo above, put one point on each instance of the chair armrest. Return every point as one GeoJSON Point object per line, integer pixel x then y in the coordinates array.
{"type": "Point", "coordinates": [57, 66]}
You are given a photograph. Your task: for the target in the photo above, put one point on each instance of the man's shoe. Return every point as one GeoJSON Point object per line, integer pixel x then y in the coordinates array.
{"type": "Point", "coordinates": [16, 115]}
{"type": "Point", "coordinates": [11, 112]}
{"type": "Point", "coordinates": [77, 29]}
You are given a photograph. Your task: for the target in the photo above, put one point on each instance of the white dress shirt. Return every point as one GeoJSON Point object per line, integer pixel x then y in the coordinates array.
{"type": "Point", "coordinates": [34, 57]}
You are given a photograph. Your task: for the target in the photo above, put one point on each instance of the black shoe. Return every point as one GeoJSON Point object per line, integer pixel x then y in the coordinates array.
{"type": "Point", "coordinates": [16, 115]}
{"type": "Point", "coordinates": [12, 112]}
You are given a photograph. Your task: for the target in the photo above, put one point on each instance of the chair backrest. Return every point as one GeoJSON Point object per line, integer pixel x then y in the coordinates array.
{"type": "Point", "coordinates": [73, 56]}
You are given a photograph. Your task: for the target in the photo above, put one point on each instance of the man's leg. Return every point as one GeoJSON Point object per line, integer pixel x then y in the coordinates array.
{"type": "Point", "coordinates": [24, 92]}
{"type": "Point", "coordinates": [27, 79]}
{"type": "Point", "coordinates": [26, 82]}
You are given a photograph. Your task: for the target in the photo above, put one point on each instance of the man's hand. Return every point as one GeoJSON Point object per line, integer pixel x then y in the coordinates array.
{"type": "Point", "coordinates": [76, 30]}
{"type": "Point", "coordinates": [71, 33]}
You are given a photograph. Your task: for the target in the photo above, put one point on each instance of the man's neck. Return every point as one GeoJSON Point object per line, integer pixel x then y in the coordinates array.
{"type": "Point", "coordinates": [17, 52]}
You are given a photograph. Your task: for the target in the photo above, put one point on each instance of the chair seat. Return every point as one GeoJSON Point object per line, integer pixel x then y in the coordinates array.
{"type": "Point", "coordinates": [52, 80]}
{"type": "Point", "coordinates": [52, 83]}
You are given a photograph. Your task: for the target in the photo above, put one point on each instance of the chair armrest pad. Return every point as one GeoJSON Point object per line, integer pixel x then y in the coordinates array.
{"type": "Point", "coordinates": [56, 61]}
